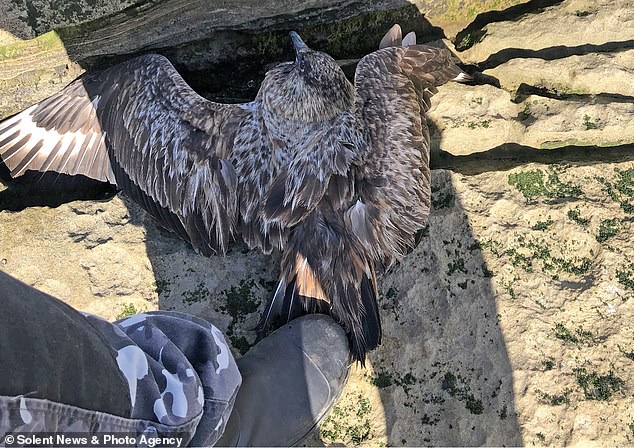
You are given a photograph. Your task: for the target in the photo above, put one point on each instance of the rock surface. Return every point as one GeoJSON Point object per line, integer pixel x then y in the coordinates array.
{"type": "Point", "coordinates": [29, 18]}
{"type": "Point", "coordinates": [233, 41]}
{"type": "Point", "coordinates": [511, 321]}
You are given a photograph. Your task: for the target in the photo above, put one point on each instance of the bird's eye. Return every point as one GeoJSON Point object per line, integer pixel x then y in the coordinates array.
{"type": "Point", "coordinates": [302, 66]}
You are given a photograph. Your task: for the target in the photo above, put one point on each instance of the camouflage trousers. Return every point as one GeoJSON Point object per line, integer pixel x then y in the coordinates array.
{"type": "Point", "coordinates": [160, 375]}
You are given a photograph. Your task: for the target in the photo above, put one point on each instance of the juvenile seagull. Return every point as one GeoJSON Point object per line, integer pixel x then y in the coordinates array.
{"type": "Point", "coordinates": [334, 175]}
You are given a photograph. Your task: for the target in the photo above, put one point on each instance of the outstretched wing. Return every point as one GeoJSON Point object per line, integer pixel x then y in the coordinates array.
{"type": "Point", "coordinates": [60, 134]}
{"type": "Point", "coordinates": [140, 126]}
{"type": "Point", "coordinates": [394, 87]}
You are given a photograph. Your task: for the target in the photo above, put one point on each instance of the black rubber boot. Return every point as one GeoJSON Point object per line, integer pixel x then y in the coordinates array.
{"type": "Point", "coordinates": [290, 380]}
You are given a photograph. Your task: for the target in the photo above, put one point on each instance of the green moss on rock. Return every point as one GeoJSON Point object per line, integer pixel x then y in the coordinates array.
{"type": "Point", "coordinates": [596, 386]}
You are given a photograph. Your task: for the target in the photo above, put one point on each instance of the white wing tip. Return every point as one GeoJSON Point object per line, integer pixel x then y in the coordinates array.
{"type": "Point", "coordinates": [410, 39]}
{"type": "Point", "coordinates": [462, 77]}
{"type": "Point", "coordinates": [393, 38]}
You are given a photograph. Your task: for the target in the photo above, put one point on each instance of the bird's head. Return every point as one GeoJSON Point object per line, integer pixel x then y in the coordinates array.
{"type": "Point", "coordinates": [311, 88]}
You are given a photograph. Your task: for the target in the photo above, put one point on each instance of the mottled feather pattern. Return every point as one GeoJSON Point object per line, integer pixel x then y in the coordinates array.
{"type": "Point", "coordinates": [322, 150]}
{"type": "Point", "coordinates": [394, 85]}
{"type": "Point", "coordinates": [333, 174]}
{"type": "Point", "coordinates": [168, 140]}
{"type": "Point", "coordinates": [257, 162]}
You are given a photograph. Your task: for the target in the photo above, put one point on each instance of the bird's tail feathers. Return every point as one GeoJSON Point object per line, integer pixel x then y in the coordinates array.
{"type": "Point", "coordinates": [321, 279]}
{"type": "Point", "coordinates": [298, 292]}
{"type": "Point", "coordinates": [356, 308]}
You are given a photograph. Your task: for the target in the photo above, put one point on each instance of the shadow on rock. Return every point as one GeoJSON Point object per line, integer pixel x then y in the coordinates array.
{"type": "Point", "coordinates": [443, 369]}
{"type": "Point", "coordinates": [510, 155]}
{"type": "Point", "coordinates": [552, 53]}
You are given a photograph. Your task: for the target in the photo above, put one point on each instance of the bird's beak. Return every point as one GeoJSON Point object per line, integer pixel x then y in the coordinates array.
{"type": "Point", "coordinates": [298, 43]}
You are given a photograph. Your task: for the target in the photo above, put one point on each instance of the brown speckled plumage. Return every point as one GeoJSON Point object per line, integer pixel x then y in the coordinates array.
{"type": "Point", "coordinates": [333, 174]}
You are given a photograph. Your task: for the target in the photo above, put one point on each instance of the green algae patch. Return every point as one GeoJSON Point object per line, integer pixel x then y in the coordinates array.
{"type": "Point", "coordinates": [530, 183]}
{"type": "Point", "coordinates": [575, 216]}
{"type": "Point", "coordinates": [596, 386]}
{"type": "Point", "coordinates": [621, 190]}
{"type": "Point", "coordinates": [542, 225]}
{"type": "Point", "coordinates": [608, 228]}
{"type": "Point", "coordinates": [535, 183]}
{"type": "Point", "coordinates": [456, 388]}
{"type": "Point", "coordinates": [578, 336]}
{"type": "Point", "coordinates": [127, 311]}
{"type": "Point", "coordinates": [240, 302]}
{"type": "Point", "coordinates": [200, 294]}
{"type": "Point", "coordinates": [554, 399]}
{"type": "Point", "coordinates": [349, 423]}
{"type": "Point", "coordinates": [625, 276]}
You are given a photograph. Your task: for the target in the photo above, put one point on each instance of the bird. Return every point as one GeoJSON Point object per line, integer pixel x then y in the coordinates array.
{"type": "Point", "coordinates": [333, 174]}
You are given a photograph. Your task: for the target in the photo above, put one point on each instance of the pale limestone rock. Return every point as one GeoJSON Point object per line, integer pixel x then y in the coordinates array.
{"type": "Point", "coordinates": [589, 73]}
{"type": "Point", "coordinates": [572, 23]}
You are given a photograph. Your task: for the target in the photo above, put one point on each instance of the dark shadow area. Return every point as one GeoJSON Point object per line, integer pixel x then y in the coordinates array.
{"type": "Point", "coordinates": [525, 90]}
{"type": "Point", "coordinates": [469, 370]}
{"type": "Point", "coordinates": [552, 53]}
{"type": "Point", "coordinates": [35, 189]}
{"type": "Point", "coordinates": [443, 369]}
{"type": "Point", "coordinates": [510, 155]}
{"type": "Point", "coordinates": [475, 31]}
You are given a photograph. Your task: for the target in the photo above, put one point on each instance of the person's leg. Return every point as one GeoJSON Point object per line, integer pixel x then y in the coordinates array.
{"type": "Point", "coordinates": [154, 374]}
{"type": "Point", "coordinates": [167, 336]}
{"type": "Point", "coordinates": [48, 350]}
{"type": "Point", "coordinates": [163, 371]}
